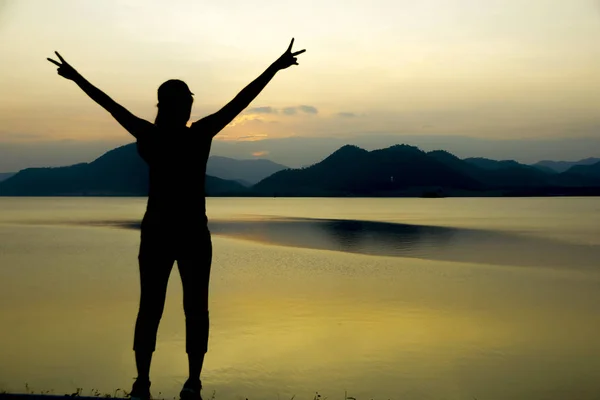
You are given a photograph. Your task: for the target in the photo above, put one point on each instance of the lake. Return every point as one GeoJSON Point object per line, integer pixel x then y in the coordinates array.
{"type": "Point", "coordinates": [487, 298]}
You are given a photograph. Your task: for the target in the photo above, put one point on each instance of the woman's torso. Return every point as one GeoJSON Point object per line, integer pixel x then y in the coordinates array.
{"type": "Point", "coordinates": [177, 175]}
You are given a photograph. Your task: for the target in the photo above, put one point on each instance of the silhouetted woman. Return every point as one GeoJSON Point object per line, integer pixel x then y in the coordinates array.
{"type": "Point", "coordinates": [174, 227]}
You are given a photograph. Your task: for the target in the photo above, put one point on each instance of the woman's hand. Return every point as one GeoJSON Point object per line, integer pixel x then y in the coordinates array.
{"type": "Point", "coordinates": [65, 70]}
{"type": "Point", "coordinates": [288, 58]}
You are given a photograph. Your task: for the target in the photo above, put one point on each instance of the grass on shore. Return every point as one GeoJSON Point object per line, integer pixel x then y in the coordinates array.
{"type": "Point", "coordinates": [125, 394]}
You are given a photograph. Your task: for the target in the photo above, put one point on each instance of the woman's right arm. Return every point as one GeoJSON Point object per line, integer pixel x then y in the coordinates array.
{"type": "Point", "coordinates": [134, 125]}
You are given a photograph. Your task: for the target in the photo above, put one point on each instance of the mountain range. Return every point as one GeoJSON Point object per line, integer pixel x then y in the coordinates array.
{"type": "Point", "coordinates": [403, 170]}
{"type": "Point", "coordinates": [246, 172]}
{"type": "Point", "coordinates": [562, 166]}
{"type": "Point", "coordinates": [119, 172]}
{"type": "Point", "coordinates": [5, 175]}
{"type": "Point", "coordinates": [399, 170]}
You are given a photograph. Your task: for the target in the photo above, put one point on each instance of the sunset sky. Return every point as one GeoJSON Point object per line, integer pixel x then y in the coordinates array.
{"type": "Point", "coordinates": [493, 69]}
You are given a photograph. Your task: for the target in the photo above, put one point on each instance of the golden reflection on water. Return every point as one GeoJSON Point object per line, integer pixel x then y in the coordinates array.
{"type": "Point", "coordinates": [291, 321]}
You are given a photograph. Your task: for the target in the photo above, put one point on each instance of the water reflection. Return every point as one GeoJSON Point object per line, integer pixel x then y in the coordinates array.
{"type": "Point", "coordinates": [404, 240]}
{"type": "Point", "coordinates": [289, 322]}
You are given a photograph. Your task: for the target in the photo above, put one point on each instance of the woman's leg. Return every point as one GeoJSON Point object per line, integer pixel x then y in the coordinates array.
{"type": "Point", "coordinates": [155, 269]}
{"type": "Point", "coordinates": [194, 267]}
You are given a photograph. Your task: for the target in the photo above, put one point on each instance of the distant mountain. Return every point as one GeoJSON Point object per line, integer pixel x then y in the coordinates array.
{"type": "Point", "coordinates": [352, 171]}
{"type": "Point", "coordinates": [243, 182]}
{"type": "Point", "coordinates": [5, 175]}
{"type": "Point", "coordinates": [493, 165]}
{"type": "Point", "coordinates": [223, 187]}
{"type": "Point", "coordinates": [403, 170]}
{"type": "Point", "coordinates": [588, 171]}
{"type": "Point", "coordinates": [545, 169]}
{"type": "Point", "coordinates": [247, 171]}
{"type": "Point", "coordinates": [563, 166]}
{"type": "Point", "coordinates": [119, 172]}
{"type": "Point", "coordinates": [399, 170]}
{"type": "Point", "coordinates": [508, 173]}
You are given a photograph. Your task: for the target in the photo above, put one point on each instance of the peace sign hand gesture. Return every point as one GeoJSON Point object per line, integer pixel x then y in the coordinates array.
{"type": "Point", "coordinates": [65, 70]}
{"type": "Point", "coordinates": [288, 58]}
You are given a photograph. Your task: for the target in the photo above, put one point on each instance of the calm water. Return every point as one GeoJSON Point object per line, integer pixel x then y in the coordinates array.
{"type": "Point", "coordinates": [382, 298]}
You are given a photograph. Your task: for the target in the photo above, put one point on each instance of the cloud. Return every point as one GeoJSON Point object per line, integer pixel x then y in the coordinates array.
{"type": "Point", "coordinates": [346, 114]}
{"type": "Point", "coordinates": [303, 108]}
{"type": "Point", "coordinates": [245, 119]}
{"type": "Point", "coordinates": [285, 111]}
{"type": "Point", "coordinates": [246, 138]}
{"type": "Point", "coordinates": [262, 110]}
{"type": "Point", "coordinates": [261, 153]}
{"type": "Point", "coordinates": [309, 109]}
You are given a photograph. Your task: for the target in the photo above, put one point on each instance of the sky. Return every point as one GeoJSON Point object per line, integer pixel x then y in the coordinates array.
{"type": "Point", "coordinates": [432, 73]}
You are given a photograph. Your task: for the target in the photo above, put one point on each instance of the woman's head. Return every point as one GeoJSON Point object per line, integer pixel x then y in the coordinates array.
{"type": "Point", "coordinates": [174, 104]}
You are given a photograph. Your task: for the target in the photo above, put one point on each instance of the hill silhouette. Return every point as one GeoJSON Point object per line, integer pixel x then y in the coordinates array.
{"type": "Point", "coordinates": [580, 175]}
{"type": "Point", "coordinates": [353, 171]}
{"type": "Point", "coordinates": [399, 170]}
{"type": "Point", "coordinates": [119, 172]}
{"type": "Point", "coordinates": [5, 175]}
{"type": "Point", "coordinates": [406, 170]}
{"type": "Point", "coordinates": [563, 166]}
{"type": "Point", "coordinates": [246, 172]}
{"type": "Point", "coordinates": [509, 173]}
{"type": "Point", "coordinates": [591, 171]}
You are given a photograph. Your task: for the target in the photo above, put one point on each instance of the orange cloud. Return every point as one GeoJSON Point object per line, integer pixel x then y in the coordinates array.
{"type": "Point", "coordinates": [244, 119]}
{"type": "Point", "coordinates": [260, 153]}
{"type": "Point", "coordinates": [245, 138]}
